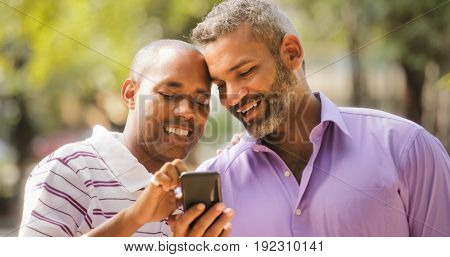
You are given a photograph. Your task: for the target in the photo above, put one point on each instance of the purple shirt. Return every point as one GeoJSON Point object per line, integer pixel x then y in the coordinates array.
{"type": "Point", "coordinates": [371, 173]}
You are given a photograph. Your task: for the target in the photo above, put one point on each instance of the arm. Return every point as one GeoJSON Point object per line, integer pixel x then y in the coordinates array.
{"type": "Point", "coordinates": [55, 201]}
{"type": "Point", "coordinates": [425, 171]}
{"type": "Point", "coordinates": [155, 203]}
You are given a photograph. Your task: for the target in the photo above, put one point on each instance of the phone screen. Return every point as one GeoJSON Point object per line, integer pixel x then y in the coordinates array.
{"type": "Point", "coordinates": [200, 187]}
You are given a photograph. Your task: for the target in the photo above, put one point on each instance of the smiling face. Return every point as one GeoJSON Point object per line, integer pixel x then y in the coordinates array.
{"type": "Point", "coordinates": [172, 104]}
{"type": "Point", "coordinates": [253, 83]}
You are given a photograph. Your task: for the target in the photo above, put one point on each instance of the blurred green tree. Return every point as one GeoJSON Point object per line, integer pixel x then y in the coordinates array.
{"type": "Point", "coordinates": [61, 61]}
{"type": "Point", "coordinates": [425, 38]}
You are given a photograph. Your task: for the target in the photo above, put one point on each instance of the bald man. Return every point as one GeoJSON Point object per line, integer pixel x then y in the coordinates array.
{"type": "Point", "coordinates": [122, 184]}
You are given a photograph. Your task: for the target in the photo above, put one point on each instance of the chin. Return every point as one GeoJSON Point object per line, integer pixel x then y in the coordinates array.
{"type": "Point", "coordinates": [175, 153]}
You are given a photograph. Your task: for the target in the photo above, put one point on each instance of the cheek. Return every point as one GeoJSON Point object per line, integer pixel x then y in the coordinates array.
{"type": "Point", "coordinates": [201, 119]}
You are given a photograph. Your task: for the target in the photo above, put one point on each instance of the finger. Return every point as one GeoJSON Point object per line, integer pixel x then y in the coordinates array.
{"type": "Point", "coordinates": [203, 223]}
{"type": "Point", "coordinates": [163, 180]}
{"type": "Point", "coordinates": [187, 218]}
{"type": "Point", "coordinates": [174, 177]}
{"type": "Point", "coordinates": [180, 166]}
{"type": "Point", "coordinates": [173, 221]}
{"type": "Point", "coordinates": [154, 180]}
{"type": "Point", "coordinates": [219, 225]}
{"type": "Point", "coordinates": [226, 231]}
{"type": "Point", "coordinates": [179, 199]}
{"type": "Point", "coordinates": [236, 138]}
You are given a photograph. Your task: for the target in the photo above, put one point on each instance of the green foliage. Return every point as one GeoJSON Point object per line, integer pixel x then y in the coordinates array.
{"type": "Point", "coordinates": [52, 51]}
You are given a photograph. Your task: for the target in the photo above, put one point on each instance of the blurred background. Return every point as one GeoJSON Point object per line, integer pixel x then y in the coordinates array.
{"type": "Point", "coordinates": [62, 64]}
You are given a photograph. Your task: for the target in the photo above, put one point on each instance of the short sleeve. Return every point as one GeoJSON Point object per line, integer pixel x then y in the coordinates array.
{"type": "Point", "coordinates": [56, 202]}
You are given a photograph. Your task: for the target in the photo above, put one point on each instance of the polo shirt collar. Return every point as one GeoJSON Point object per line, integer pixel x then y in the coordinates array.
{"type": "Point", "coordinates": [329, 113]}
{"type": "Point", "coordinates": [124, 166]}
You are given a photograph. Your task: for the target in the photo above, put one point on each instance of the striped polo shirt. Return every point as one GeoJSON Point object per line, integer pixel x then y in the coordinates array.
{"type": "Point", "coordinates": [83, 184]}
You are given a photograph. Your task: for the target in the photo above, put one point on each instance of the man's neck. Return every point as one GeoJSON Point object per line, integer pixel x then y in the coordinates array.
{"type": "Point", "coordinates": [291, 140]}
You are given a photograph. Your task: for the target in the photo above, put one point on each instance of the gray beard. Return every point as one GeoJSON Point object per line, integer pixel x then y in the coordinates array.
{"type": "Point", "coordinates": [277, 104]}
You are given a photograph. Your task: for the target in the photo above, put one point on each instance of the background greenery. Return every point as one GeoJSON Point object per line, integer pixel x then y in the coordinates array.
{"type": "Point", "coordinates": [62, 64]}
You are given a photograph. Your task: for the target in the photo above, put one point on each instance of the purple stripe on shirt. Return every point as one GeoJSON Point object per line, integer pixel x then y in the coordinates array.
{"type": "Point", "coordinates": [89, 168]}
{"type": "Point", "coordinates": [67, 158]}
{"type": "Point", "coordinates": [100, 212]}
{"type": "Point", "coordinates": [102, 183]}
{"type": "Point", "coordinates": [90, 181]}
{"type": "Point", "coordinates": [116, 199]}
{"type": "Point", "coordinates": [79, 155]}
{"type": "Point", "coordinates": [68, 198]}
{"type": "Point", "coordinates": [60, 212]}
{"type": "Point", "coordinates": [38, 231]}
{"type": "Point", "coordinates": [61, 161]}
{"type": "Point", "coordinates": [152, 233]}
{"type": "Point", "coordinates": [97, 209]}
{"type": "Point", "coordinates": [71, 183]}
{"type": "Point", "coordinates": [54, 222]}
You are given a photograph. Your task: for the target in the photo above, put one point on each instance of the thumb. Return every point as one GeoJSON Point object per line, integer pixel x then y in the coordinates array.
{"type": "Point", "coordinates": [173, 221]}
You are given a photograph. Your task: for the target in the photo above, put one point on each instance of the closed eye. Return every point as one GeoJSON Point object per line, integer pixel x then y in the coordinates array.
{"type": "Point", "coordinates": [167, 96]}
{"type": "Point", "coordinates": [248, 72]}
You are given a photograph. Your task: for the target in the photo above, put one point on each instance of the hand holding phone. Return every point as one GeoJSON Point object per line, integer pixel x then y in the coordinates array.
{"type": "Point", "coordinates": [205, 214]}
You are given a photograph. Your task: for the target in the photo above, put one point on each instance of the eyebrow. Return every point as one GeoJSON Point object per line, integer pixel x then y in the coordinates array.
{"type": "Point", "coordinates": [173, 84]}
{"type": "Point", "coordinates": [177, 85]}
{"type": "Point", "coordinates": [239, 64]}
{"type": "Point", "coordinates": [202, 91]}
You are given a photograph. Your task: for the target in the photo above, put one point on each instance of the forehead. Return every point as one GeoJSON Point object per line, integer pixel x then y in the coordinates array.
{"type": "Point", "coordinates": [184, 67]}
{"type": "Point", "coordinates": [234, 47]}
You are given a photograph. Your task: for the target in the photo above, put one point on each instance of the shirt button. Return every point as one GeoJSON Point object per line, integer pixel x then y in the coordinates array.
{"type": "Point", "coordinates": [298, 212]}
{"type": "Point", "coordinates": [287, 173]}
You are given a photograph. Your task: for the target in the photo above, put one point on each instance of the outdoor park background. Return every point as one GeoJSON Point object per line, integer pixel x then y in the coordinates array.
{"type": "Point", "coordinates": [62, 64]}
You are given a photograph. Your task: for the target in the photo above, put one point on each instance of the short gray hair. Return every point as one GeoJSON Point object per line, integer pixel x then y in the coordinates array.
{"type": "Point", "coordinates": [268, 23]}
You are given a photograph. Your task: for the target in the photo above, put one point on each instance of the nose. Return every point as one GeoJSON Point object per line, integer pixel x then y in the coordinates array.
{"type": "Point", "coordinates": [184, 109]}
{"type": "Point", "coordinates": [235, 95]}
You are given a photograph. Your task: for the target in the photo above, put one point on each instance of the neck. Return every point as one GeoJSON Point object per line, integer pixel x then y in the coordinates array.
{"type": "Point", "coordinates": [131, 141]}
{"type": "Point", "coordinates": [291, 140]}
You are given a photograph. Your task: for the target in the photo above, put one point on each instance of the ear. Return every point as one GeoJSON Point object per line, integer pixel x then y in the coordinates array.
{"type": "Point", "coordinates": [291, 52]}
{"type": "Point", "coordinates": [129, 93]}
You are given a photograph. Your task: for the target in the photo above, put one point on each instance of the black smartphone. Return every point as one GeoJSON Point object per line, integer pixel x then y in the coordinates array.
{"type": "Point", "coordinates": [200, 187]}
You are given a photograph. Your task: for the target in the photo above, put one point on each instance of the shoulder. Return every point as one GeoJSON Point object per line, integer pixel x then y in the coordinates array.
{"type": "Point", "coordinates": [229, 156]}
{"type": "Point", "coordinates": [390, 132]}
{"type": "Point", "coordinates": [376, 116]}
{"type": "Point", "coordinates": [379, 123]}
{"type": "Point", "coordinates": [67, 159]}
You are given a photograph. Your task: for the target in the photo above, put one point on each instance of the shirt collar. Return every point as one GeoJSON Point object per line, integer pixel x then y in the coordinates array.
{"type": "Point", "coordinates": [124, 166]}
{"type": "Point", "coordinates": [329, 113]}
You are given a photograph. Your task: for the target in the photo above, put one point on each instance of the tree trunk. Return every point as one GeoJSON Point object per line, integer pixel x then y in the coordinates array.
{"type": "Point", "coordinates": [415, 79]}
{"type": "Point", "coordinates": [350, 17]}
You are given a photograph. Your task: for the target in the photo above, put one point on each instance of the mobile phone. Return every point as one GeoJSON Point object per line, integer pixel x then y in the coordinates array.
{"type": "Point", "coordinates": [200, 187]}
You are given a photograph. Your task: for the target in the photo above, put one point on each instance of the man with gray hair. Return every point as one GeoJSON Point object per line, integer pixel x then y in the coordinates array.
{"type": "Point", "coordinates": [307, 167]}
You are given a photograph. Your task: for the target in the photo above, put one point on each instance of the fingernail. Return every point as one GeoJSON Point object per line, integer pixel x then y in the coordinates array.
{"type": "Point", "coordinates": [229, 212]}
{"type": "Point", "coordinates": [228, 226]}
{"type": "Point", "coordinates": [200, 206]}
{"type": "Point", "coordinates": [220, 207]}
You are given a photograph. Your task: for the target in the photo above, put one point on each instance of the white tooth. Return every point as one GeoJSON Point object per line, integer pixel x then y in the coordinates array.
{"type": "Point", "coordinates": [249, 108]}
{"type": "Point", "coordinates": [177, 131]}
